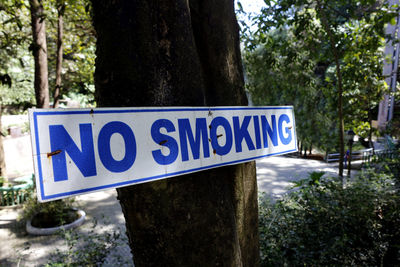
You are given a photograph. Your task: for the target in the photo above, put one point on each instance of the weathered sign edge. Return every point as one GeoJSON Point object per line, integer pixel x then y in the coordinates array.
{"type": "Point", "coordinates": [33, 113]}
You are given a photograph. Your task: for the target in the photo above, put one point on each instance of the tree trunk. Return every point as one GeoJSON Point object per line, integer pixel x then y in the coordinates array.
{"type": "Point", "coordinates": [60, 32]}
{"type": "Point", "coordinates": [370, 143]}
{"type": "Point", "coordinates": [39, 47]}
{"type": "Point", "coordinates": [340, 110]}
{"type": "Point", "coordinates": [335, 53]}
{"type": "Point", "coordinates": [179, 53]}
{"type": "Point", "coordinates": [349, 159]}
{"type": "Point", "coordinates": [301, 149]}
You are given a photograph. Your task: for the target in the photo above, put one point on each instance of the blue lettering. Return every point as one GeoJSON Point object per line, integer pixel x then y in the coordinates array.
{"type": "Point", "coordinates": [257, 131]}
{"type": "Point", "coordinates": [267, 131]}
{"type": "Point", "coordinates": [105, 149]}
{"type": "Point", "coordinates": [185, 133]}
{"type": "Point", "coordinates": [221, 150]}
{"type": "Point", "coordinates": [164, 140]}
{"type": "Point", "coordinates": [288, 139]}
{"type": "Point", "coordinates": [241, 133]}
{"type": "Point", "coordinates": [61, 142]}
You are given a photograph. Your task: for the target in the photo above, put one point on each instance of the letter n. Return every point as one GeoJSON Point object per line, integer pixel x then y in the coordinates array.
{"type": "Point", "coordinates": [62, 143]}
{"type": "Point", "coordinates": [267, 130]}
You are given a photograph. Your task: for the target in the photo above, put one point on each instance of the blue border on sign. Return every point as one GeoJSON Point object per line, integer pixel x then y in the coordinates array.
{"type": "Point", "coordinates": [147, 179]}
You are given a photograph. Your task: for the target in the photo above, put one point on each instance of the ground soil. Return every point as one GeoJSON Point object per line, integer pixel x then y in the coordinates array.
{"type": "Point", "coordinates": [48, 220]}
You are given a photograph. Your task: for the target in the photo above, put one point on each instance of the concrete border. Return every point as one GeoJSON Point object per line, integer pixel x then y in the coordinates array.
{"type": "Point", "coordinates": [52, 230]}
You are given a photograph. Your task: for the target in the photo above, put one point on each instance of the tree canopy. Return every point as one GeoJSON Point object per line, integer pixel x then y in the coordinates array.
{"type": "Point", "coordinates": [16, 61]}
{"type": "Point", "coordinates": [294, 55]}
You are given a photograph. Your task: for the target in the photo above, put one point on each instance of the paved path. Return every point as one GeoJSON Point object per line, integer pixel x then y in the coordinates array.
{"type": "Point", "coordinates": [274, 174]}
{"type": "Point", "coordinates": [19, 249]}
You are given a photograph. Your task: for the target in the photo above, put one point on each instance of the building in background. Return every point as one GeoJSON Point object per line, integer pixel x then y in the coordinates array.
{"type": "Point", "coordinates": [386, 106]}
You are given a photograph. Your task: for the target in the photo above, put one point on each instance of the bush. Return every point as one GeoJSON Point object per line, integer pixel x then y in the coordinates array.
{"type": "Point", "coordinates": [49, 214]}
{"type": "Point", "coordinates": [389, 163]}
{"type": "Point", "coordinates": [89, 249]}
{"type": "Point", "coordinates": [323, 223]}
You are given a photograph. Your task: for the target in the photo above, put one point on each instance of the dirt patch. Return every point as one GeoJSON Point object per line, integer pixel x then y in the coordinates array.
{"type": "Point", "coordinates": [48, 220]}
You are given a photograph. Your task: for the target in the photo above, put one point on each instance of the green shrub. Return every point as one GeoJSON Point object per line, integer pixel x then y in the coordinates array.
{"type": "Point", "coordinates": [388, 163]}
{"type": "Point", "coordinates": [323, 223]}
{"type": "Point", "coordinates": [53, 212]}
{"type": "Point", "coordinates": [89, 249]}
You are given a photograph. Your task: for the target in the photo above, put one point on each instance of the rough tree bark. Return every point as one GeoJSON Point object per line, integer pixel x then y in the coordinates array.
{"type": "Point", "coordinates": [179, 53]}
{"type": "Point", "coordinates": [60, 33]}
{"type": "Point", "coordinates": [39, 50]}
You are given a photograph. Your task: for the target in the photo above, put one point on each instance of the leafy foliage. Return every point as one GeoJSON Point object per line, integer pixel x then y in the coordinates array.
{"type": "Point", "coordinates": [364, 83]}
{"type": "Point", "coordinates": [87, 249]}
{"type": "Point", "coordinates": [79, 49]}
{"type": "Point", "coordinates": [291, 59]}
{"type": "Point", "coordinates": [282, 72]}
{"type": "Point", "coordinates": [54, 209]}
{"type": "Point", "coordinates": [16, 61]}
{"type": "Point", "coordinates": [323, 223]}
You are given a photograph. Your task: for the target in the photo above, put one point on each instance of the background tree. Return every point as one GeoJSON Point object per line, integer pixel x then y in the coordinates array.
{"type": "Point", "coordinates": [322, 9]}
{"type": "Point", "coordinates": [60, 5]}
{"type": "Point", "coordinates": [284, 71]}
{"type": "Point", "coordinates": [179, 53]}
{"type": "Point", "coordinates": [73, 57]}
{"type": "Point", "coordinates": [16, 65]}
{"type": "Point", "coordinates": [364, 83]}
{"type": "Point", "coordinates": [322, 34]}
{"type": "Point", "coordinates": [39, 50]}
{"type": "Point", "coordinates": [76, 65]}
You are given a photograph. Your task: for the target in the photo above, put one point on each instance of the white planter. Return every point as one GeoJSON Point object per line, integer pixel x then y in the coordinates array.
{"type": "Point", "coordinates": [52, 230]}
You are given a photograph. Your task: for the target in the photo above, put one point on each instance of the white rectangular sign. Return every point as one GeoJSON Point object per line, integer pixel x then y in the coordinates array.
{"type": "Point", "coordinates": [76, 151]}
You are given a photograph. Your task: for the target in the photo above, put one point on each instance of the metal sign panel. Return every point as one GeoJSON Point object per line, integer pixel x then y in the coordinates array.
{"type": "Point", "coordinates": [77, 151]}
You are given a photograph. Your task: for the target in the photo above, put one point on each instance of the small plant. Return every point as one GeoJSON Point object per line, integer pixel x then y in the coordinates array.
{"type": "Point", "coordinates": [49, 214]}
{"type": "Point", "coordinates": [88, 249]}
{"type": "Point", "coordinates": [4, 131]}
{"type": "Point", "coordinates": [25, 127]}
